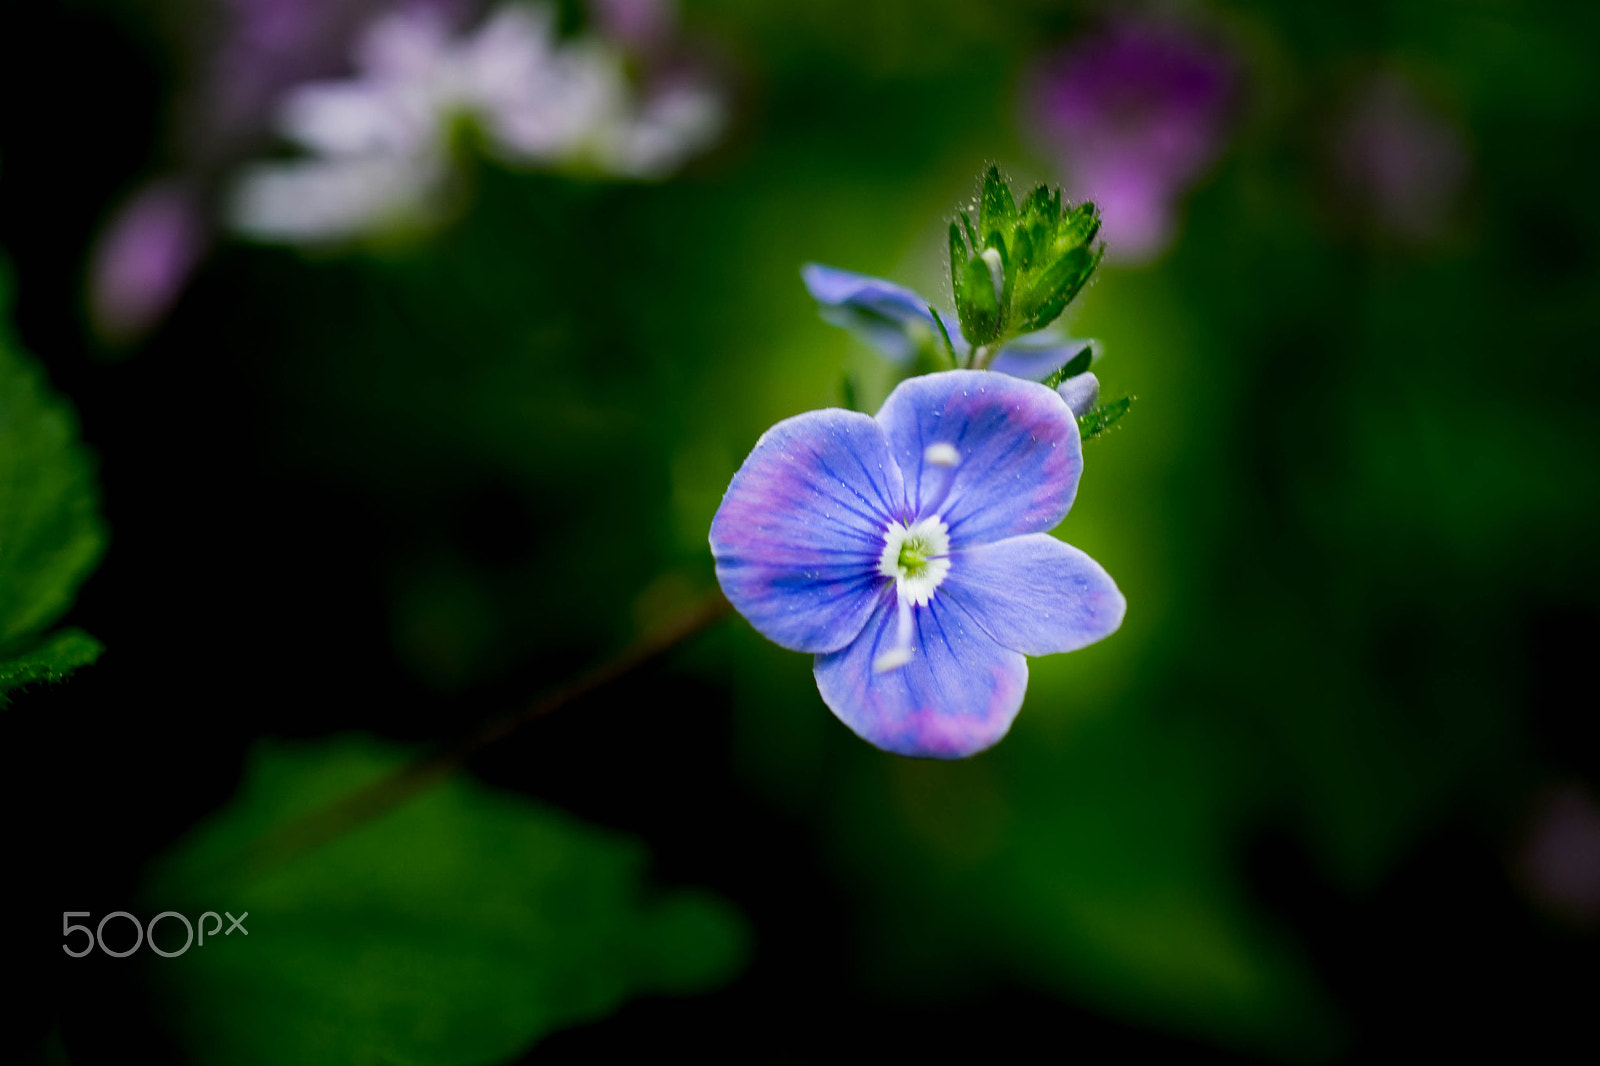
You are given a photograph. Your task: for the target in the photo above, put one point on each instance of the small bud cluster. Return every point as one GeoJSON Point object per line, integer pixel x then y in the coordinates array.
{"type": "Point", "coordinates": [1017, 268]}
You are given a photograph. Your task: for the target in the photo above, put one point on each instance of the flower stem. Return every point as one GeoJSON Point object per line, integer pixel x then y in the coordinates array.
{"type": "Point", "coordinates": [312, 830]}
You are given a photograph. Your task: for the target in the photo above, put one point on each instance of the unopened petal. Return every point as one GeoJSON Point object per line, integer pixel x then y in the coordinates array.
{"type": "Point", "coordinates": [1035, 356]}
{"type": "Point", "coordinates": [890, 317]}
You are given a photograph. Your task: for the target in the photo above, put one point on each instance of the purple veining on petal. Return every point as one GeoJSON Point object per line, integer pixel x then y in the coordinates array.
{"type": "Point", "coordinates": [1035, 595]}
{"type": "Point", "coordinates": [1020, 453]}
{"type": "Point", "coordinates": [1135, 113]}
{"type": "Point", "coordinates": [144, 258]}
{"type": "Point", "coordinates": [800, 529]}
{"type": "Point", "coordinates": [956, 696]}
{"type": "Point", "coordinates": [1402, 161]}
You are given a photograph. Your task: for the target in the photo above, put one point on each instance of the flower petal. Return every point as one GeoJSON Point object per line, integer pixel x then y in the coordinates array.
{"type": "Point", "coordinates": [800, 529]}
{"type": "Point", "coordinates": [956, 696]}
{"type": "Point", "coordinates": [891, 318]}
{"type": "Point", "coordinates": [1035, 356]}
{"type": "Point", "coordinates": [1035, 594]}
{"type": "Point", "coordinates": [1017, 443]}
{"type": "Point", "coordinates": [1080, 392]}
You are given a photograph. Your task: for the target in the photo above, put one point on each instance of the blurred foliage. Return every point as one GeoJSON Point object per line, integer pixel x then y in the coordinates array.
{"type": "Point", "coordinates": [52, 659]}
{"type": "Point", "coordinates": [51, 535]}
{"type": "Point", "coordinates": [456, 929]}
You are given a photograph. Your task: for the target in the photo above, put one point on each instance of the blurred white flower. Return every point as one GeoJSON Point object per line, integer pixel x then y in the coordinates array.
{"type": "Point", "coordinates": [381, 142]}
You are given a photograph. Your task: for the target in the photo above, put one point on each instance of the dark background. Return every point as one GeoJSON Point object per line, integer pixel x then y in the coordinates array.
{"type": "Point", "coordinates": [400, 490]}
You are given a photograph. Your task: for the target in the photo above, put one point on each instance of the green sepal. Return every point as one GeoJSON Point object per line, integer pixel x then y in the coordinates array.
{"type": "Point", "coordinates": [958, 263]}
{"type": "Point", "coordinates": [944, 334]}
{"type": "Point", "coordinates": [976, 306]}
{"type": "Point", "coordinates": [1050, 293]}
{"type": "Point", "coordinates": [1047, 255]}
{"type": "Point", "coordinates": [1072, 367]}
{"type": "Point", "coordinates": [1101, 417]}
{"type": "Point", "coordinates": [847, 392]}
{"type": "Point", "coordinates": [58, 655]}
{"type": "Point", "coordinates": [1040, 205]}
{"type": "Point", "coordinates": [996, 209]}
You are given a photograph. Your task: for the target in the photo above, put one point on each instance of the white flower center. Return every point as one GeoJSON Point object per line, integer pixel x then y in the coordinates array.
{"type": "Point", "coordinates": [916, 556]}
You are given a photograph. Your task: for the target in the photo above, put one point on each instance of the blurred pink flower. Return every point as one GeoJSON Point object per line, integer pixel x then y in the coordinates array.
{"type": "Point", "coordinates": [1134, 114]}
{"type": "Point", "coordinates": [644, 25]}
{"type": "Point", "coordinates": [1560, 856]}
{"type": "Point", "coordinates": [143, 259]}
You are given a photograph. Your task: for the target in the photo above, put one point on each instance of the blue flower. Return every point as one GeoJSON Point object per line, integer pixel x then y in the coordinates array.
{"type": "Point", "coordinates": [899, 323]}
{"type": "Point", "coordinates": [909, 552]}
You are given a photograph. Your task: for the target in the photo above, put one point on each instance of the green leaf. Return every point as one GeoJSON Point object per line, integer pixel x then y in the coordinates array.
{"type": "Point", "coordinates": [456, 929]}
{"type": "Point", "coordinates": [1102, 416]}
{"type": "Point", "coordinates": [1072, 367]}
{"type": "Point", "coordinates": [51, 535]}
{"type": "Point", "coordinates": [61, 653]}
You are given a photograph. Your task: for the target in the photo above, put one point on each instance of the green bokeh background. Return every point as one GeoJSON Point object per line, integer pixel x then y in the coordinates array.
{"type": "Point", "coordinates": [1353, 510]}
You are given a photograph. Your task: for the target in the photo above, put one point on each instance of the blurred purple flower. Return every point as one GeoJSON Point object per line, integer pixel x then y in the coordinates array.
{"type": "Point", "coordinates": [143, 259]}
{"type": "Point", "coordinates": [1134, 114]}
{"type": "Point", "coordinates": [1560, 857]}
{"type": "Point", "coordinates": [898, 323]}
{"type": "Point", "coordinates": [263, 48]}
{"type": "Point", "coordinates": [1399, 159]}
{"type": "Point", "coordinates": [909, 553]}
{"type": "Point", "coordinates": [643, 25]}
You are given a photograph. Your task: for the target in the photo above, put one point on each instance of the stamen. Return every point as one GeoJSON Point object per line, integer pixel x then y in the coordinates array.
{"type": "Point", "coordinates": [901, 653]}
{"type": "Point", "coordinates": [944, 457]}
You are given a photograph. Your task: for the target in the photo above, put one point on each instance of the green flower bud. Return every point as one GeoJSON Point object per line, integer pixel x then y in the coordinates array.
{"type": "Point", "coordinates": [1033, 260]}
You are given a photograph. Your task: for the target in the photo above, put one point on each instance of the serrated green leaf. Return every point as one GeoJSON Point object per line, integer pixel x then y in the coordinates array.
{"type": "Point", "coordinates": [51, 535]}
{"type": "Point", "coordinates": [456, 929]}
{"type": "Point", "coordinates": [57, 656]}
{"type": "Point", "coordinates": [1102, 416]}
